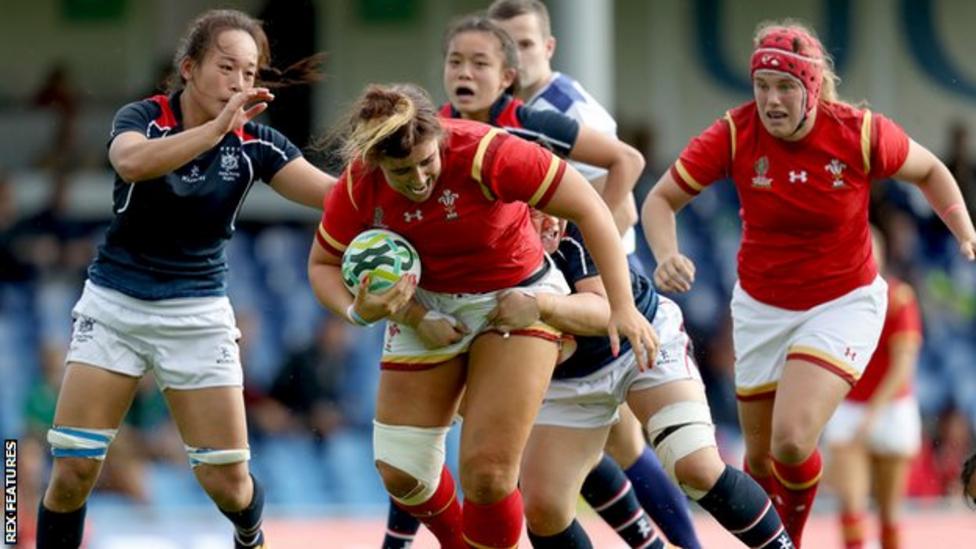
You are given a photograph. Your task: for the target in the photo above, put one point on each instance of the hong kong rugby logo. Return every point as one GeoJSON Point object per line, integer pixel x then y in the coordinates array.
{"type": "Point", "coordinates": [760, 181]}
{"type": "Point", "coordinates": [228, 164]}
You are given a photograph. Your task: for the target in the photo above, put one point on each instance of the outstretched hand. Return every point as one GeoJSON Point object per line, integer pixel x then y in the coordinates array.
{"type": "Point", "coordinates": [241, 108]}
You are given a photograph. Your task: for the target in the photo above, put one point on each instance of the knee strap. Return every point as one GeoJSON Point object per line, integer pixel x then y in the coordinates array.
{"type": "Point", "coordinates": [417, 451]}
{"type": "Point", "coordinates": [80, 442]}
{"type": "Point", "coordinates": [678, 430]}
{"type": "Point", "coordinates": [210, 456]}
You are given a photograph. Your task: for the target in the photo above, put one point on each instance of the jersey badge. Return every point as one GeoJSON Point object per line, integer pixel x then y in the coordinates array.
{"type": "Point", "coordinates": [378, 218]}
{"type": "Point", "coordinates": [448, 199]}
{"type": "Point", "coordinates": [228, 165]}
{"type": "Point", "coordinates": [760, 181]}
{"type": "Point", "coordinates": [836, 169]}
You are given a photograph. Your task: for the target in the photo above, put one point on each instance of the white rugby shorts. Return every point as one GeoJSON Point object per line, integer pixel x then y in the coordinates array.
{"type": "Point", "coordinates": [404, 350]}
{"type": "Point", "coordinates": [897, 430]}
{"type": "Point", "coordinates": [839, 336]}
{"type": "Point", "coordinates": [592, 401]}
{"type": "Point", "coordinates": [188, 343]}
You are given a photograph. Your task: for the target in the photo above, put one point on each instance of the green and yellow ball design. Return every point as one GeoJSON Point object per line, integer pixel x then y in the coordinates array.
{"type": "Point", "coordinates": [385, 255]}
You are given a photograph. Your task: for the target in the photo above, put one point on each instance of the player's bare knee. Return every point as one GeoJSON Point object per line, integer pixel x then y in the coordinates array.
{"type": "Point", "coordinates": [546, 513]}
{"type": "Point", "coordinates": [791, 445]}
{"type": "Point", "coordinates": [229, 486]}
{"type": "Point", "coordinates": [76, 471]}
{"type": "Point", "coordinates": [488, 477]}
{"type": "Point", "coordinates": [72, 480]}
{"type": "Point", "coordinates": [398, 483]}
{"type": "Point", "coordinates": [699, 470]}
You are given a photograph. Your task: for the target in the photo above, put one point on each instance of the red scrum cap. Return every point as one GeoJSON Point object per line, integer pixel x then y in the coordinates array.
{"type": "Point", "coordinates": [792, 52]}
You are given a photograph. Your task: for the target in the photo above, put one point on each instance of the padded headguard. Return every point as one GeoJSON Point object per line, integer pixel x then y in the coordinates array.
{"type": "Point", "coordinates": [792, 52]}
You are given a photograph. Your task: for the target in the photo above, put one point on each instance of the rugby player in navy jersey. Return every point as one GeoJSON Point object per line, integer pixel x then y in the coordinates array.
{"type": "Point", "coordinates": [543, 88]}
{"type": "Point", "coordinates": [587, 390]}
{"type": "Point", "coordinates": [155, 299]}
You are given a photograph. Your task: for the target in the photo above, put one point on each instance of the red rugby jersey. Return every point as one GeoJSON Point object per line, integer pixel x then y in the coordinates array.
{"type": "Point", "coordinates": [902, 322]}
{"type": "Point", "coordinates": [805, 237]}
{"type": "Point", "coordinates": [474, 233]}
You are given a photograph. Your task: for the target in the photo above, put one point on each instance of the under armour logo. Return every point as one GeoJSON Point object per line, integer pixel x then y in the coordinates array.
{"type": "Point", "coordinates": [798, 176]}
{"type": "Point", "coordinates": [850, 353]}
{"type": "Point", "coordinates": [416, 215]}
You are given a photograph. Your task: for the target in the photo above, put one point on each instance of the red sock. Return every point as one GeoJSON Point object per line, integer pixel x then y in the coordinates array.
{"type": "Point", "coordinates": [496, 525]}
{"type": "Point", "coordinates": [441, 513]}
{"type": "Point", "coordinates": [798, 486]}
{"type": "Point", "coordinates": [852, 528]}
{"type": "Point", "coordinates": [890, 535]}
{"type": "Point", "coordinates": [768, 483]}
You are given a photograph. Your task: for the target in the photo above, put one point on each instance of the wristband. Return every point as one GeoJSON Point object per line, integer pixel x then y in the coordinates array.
{"type": "Point", "coordinates": [957, 206]}
{"type": "Point", "coordinates": [354, 317]}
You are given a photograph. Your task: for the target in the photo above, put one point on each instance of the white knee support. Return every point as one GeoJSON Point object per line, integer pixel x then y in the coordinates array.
{"type": "Point", "coordinates": [210, 456]}
{"type": "Point", "coordinates": [417, 451]}
{"type": "Point", "coordinates": [79, 442]}
{"type": "Point", "coordinates": [678, 430]}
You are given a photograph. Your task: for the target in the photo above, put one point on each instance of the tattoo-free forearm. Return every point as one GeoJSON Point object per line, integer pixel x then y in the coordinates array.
{"type": "Point", "coordinates": [583, 314]}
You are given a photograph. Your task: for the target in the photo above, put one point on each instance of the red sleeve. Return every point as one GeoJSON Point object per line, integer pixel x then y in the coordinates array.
{"type": "Point", "coordinates": [905, 319]}
{"type": "Point", "coordinates": [342, 217]}
{"type": "Point", "coordinates": [889, 147]}
{"type": "Point", "coordinates": [520, 171]}
{"type": "Point", "coordinates": [706, 159]}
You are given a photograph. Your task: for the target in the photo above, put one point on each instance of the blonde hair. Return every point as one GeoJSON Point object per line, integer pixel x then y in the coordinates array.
{"type": "Point", "coordinates": [828, 87]}
{"type": "Point", "coordinates": [389, 121]}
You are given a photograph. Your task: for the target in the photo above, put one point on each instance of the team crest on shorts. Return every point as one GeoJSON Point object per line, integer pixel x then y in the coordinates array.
{"type": "Point", "coordinates": [225, 355]}
{"type": "Point", "coordinates": [84, 327]}
{"type": "Point", "coordinates": [760, 181]}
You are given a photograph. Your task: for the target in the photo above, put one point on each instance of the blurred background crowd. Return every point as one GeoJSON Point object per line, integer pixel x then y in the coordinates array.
{"type": "Point", "coordinates": [310, 377]}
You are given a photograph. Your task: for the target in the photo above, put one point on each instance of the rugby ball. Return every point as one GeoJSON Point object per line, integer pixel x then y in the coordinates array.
{"type": "Point", "coordinates": [385, 255]}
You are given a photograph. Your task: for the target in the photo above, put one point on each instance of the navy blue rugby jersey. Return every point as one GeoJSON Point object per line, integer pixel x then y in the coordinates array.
{"type": "Point", "coordinates": [553, 130]}
{"type": "Point", "coordinates": [168, 236]}
{"type": "Point", "coordinates": [592, 352]}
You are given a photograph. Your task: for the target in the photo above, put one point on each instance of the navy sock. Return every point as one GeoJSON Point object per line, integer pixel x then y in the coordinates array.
{"type": "Point", "coordinates": [60, 530]}
{"type": "Point", "coordinates": [401, 527]}
{"type": "Point", "coordinates": [573, 537]}
{"type": "Point", "coordinates": [663, 500]}
{"type": "Point", "coordinates": [740, 505]}
{"type": "Point", "coordinates": [247, 521]}
{"type": "Point", "coordinates": [609, 493]}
